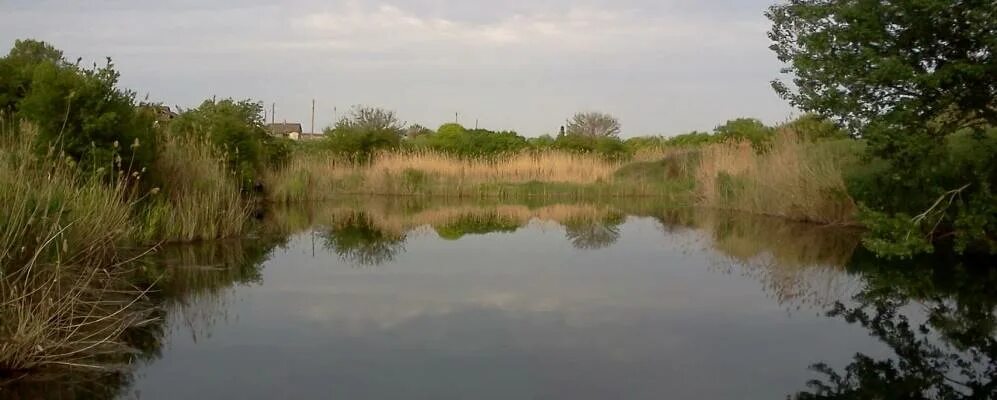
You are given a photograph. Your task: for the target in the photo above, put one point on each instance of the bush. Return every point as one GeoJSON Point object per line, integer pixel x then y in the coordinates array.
{"type": "Point", "coordinates": [454, 139]}
{"type": "Point", "coordinates": [236, 129]}
{"type": "Point", "coordinates": [813, 127]}
{"type": "Point", "coordinates": [748, 129]}
{"type": "Point", "coordinates": [79, 110]}
{"type": "Point", "coordinates": [610, 148]}
{"type": "Point", "coordinates": [364, 131]}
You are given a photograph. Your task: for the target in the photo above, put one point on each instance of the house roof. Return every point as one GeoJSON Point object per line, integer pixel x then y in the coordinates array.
{"type": "Point", "coordinates": [284, 128]}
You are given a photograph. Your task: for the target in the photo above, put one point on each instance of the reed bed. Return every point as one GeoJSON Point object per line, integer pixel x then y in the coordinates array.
{"type": "Point", "coordinates": [200, 199]}
{"type": "Point", "coordinates": [65, 294]}
{"type": "Point", "coordinates": [793, 178]}
{"type": "Point", "coordinates": [315, 177]}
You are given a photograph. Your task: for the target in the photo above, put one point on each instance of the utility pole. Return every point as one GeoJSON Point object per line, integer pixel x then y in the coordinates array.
{"type": "Point", "coordinates": [273, 118]}
{"type": "Point", "coordinates": [475, 124]}
{"type": "Point", "coordinates": [313, 116]}
{"type": "Point", "coordinates": [456, 117]}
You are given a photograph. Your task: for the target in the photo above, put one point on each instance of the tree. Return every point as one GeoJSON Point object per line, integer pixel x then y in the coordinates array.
{"type": "Point", "coordinates": [593, 124]}
{"type": "Point", "coordinates": [890, 63]}
{"type": "Point", "coordinates": [80, 111]}
{"type": "Point", "coordinates": [903, 75]}
{"type": "Point", "coordinates": [749, 129]}
{"type": "Point", "coordinates": [368, 118]}
{"type": "Point", "coordinates": [236, 127]}
{"type": "Point", "coordinates": [18, 68]}
{"type": "Point", "coordinates": [363, 131]}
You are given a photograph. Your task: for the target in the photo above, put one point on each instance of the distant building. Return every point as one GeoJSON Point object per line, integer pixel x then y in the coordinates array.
{"type": "Point", "coordinates": [290, 130]}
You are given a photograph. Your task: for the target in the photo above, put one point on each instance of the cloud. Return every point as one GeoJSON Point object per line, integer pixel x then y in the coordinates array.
{"type": "Point", "coordinates": [662, 66]}
{"type": "Point", "coordinates": [574, 30]}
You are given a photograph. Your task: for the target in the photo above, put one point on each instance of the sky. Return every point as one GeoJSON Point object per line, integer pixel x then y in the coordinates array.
{"type": "Point", "coordinates": [663, 67]}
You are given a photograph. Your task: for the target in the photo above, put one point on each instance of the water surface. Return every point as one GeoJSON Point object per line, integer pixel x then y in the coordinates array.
{"type": "Point", "coordinates": [381, 298]}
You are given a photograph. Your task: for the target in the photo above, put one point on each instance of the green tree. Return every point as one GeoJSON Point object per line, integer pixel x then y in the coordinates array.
{"type": "Point", "coordinates": [364, 131]}
{"type": "Point", "coordinates": [903, 75]}
{"type": "Point", "coordinates": [18, 68]}
{"type": "Point", "coordinates": [237, 128]}
{"type": "Point", "coordinates": [749, 129]}
{"type": "Point", "coordinates": [78, 110]}
{"type": "Point", "coordinates": [814, 127]}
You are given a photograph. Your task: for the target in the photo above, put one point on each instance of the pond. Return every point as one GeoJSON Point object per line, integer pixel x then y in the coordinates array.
{"type": "Point", "coordinates": [402, 298]}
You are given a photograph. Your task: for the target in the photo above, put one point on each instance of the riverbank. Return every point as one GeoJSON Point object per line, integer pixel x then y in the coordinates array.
{"type": "Point", "coordinates": [792, 178]}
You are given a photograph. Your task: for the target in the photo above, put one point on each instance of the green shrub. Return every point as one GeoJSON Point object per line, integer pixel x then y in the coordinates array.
{"type": "Point", "coordinates": [748, 129]}
{"type": "Point", "coordinates": [79, 110]}
{"type": "Point", "coordinates": [236, 128]}
{"type": "Point", "coordinates": [364, 131]}
{"type": "Point", "coordinates": [609, 147]}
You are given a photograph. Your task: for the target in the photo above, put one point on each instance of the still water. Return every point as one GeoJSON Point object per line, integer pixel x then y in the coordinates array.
{"type": "Point", "coordinates": [407, 299]}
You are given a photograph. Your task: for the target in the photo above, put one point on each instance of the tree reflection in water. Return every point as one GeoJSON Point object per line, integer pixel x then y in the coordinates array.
{"type": "Point", "coordinates": [594, 233]}
{"type": "Point", "coordinates": [356, 239]}
{"type": "Point", "coordinates": [951, 355]}
{"type": "Point", "coordinates": [937, 315]}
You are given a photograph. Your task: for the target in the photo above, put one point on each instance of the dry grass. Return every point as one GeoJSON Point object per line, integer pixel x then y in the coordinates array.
{"type": "Point", "coordinates": [314, 177]}
{"type": "Point", "coordinates": [64, 296]}
{"type": "Point", "coordinates": [793, 179]}
{"type": "Point", "coordinates": [200, 198]}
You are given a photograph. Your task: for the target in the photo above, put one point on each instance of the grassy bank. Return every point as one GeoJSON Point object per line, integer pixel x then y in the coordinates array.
{"type": "Point", "coordinates": [72, 240]}
{"type": "Point", "coordinates": [791, 178]}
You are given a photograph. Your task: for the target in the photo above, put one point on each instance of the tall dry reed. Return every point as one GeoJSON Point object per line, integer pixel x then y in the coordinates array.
{"type": "Point", "coordinates": [793, 178]}
{"type": "Point", "coordinates": [200, 198]}
{"type": "Point", "coordinates": [65, 296]}
{"type": "Point", "coordinates": [313, 177]}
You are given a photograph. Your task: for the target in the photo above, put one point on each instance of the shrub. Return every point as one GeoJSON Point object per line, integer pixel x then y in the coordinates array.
{"type": "Point", "coordinates": [364, 131]}
{"type": "Point", "coordinates": [236, 129]}
{"type": "Point", "coordinates": [745, 129]}
{"type": "Point", "coordinates": [79, 110]}
{"type": "Point", "coordinates": [610, 148]}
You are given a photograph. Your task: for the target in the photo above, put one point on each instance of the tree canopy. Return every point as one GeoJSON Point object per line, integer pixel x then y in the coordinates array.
{"type": "Point", "coordinates": [593, 124]}
{"type": "Point", "coordinates": [907, 77]}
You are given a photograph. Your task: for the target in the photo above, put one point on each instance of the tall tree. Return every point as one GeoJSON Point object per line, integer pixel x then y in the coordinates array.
{"type": "Point", "coordinates": [906, 76]}
{"type": "Point", "coordinates": [593, 124]}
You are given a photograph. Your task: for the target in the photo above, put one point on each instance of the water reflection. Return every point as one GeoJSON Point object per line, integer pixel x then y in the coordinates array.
{"type": "Point", "coordinates": [604, 322]}
{"type": "Point", "coordinates": [354, 237]}
{"type": "Point", "coordinates": [371, 232]}
{"type": "Point", "coordinates": [948, 353]}
{"type": "Point", "coordinates": [191, 282]}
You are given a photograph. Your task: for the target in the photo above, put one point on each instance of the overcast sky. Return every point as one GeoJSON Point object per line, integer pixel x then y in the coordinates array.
{"type": "Point", "coordinates": [661, 66]}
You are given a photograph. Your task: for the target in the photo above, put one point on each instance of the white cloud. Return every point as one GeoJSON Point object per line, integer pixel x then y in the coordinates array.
{"type": "Point", "coordinates": [662, 66]}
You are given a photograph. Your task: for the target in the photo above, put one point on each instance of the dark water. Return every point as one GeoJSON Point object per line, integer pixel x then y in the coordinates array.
{"type": "Point", "coordinates": [382, 299]}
